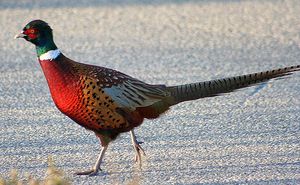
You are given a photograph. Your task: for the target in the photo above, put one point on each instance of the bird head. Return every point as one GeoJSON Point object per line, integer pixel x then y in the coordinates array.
{"type": "Point", "coordinates": [37, 32]}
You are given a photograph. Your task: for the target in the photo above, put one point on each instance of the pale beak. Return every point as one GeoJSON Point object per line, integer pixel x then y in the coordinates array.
{"type": "Point", "coordinates": [20, 35]}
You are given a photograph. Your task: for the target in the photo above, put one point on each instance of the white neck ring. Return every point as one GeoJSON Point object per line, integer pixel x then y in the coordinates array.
{"type": "Point", "coordinates": [50, 55]}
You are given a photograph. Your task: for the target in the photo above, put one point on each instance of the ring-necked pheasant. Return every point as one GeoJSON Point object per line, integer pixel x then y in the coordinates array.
{"type": "Point", "coordinates": [109, 102]}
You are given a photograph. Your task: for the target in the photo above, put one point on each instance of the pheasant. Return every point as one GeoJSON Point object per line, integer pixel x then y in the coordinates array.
{"type": "Point", "coordinates": [109, 102]}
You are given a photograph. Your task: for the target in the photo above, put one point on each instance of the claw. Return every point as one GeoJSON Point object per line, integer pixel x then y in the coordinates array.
{"type": "Point", "coordinates": [137, 148]}
{"type": "Point", "coordinates": [91, 172]}
{"type": "Point", "coordinates": [96, 168]}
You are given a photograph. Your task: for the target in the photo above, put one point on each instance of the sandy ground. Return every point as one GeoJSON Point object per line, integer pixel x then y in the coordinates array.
{"type": "Point", "coordinates": [248, 137]}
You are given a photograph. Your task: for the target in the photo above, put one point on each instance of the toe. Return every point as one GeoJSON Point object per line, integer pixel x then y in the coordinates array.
{"type": "Point", "coordinates": [91, 172]}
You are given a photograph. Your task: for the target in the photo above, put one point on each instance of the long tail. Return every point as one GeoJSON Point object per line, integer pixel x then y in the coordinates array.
{"type": "Point", "coordinates": [220, 86]}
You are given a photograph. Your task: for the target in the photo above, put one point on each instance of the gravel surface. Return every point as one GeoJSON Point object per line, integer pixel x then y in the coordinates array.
{"type": "Point", "coordinates": [248, 137]}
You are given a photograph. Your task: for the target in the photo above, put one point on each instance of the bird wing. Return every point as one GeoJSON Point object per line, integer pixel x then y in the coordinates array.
{"type": "Point", "coordinates": [126, 91]}
{"type": "Point", "coordinates": [113, 99]}
{"type": "Point", "coordinates": [132, 93]}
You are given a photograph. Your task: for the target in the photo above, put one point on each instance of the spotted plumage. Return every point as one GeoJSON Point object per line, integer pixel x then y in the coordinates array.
{"type": "Point", "coordinates": [96, 100]}
{"type": "Point", "coordinates": [109, 102]}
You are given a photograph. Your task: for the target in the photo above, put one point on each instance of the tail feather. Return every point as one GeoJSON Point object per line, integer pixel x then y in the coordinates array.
{"type": "Point", "coordinates": [220, 86]}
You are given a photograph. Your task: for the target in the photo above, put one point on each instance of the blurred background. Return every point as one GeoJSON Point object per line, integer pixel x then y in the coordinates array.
{"type": "Point", "coordinates": [250, 136]}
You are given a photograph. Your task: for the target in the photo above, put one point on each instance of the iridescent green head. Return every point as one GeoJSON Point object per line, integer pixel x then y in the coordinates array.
{"type": "Point", "coordinates": [39, 33]}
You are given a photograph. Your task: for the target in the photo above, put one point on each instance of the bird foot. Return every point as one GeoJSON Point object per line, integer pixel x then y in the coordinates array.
{"type": "Point", "coordinates": [92, 172]}
{"type": "Point", "coordinates": [137, 148]}
{"type": "Point", "coordinates": [138, 151]}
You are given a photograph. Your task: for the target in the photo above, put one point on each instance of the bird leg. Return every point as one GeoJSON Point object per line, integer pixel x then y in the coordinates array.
{"type": "Point", "coordinates": [96, 167]}
{"type": "Point", "coordinates": [138, 149]}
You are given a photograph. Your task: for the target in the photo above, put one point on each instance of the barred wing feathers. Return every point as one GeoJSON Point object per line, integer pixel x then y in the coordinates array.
{"type": "Point", "coordinates": [132, 94]}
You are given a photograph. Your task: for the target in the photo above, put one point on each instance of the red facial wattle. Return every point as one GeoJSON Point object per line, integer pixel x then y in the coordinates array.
{"type": "Point", "coordinates": [31, 33]}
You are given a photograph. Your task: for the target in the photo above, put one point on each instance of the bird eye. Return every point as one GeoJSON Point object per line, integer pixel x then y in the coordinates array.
{"type": "Point", "coordinates": [31, 31]}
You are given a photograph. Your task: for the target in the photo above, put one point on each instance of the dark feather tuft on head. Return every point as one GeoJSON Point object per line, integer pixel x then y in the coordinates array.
{"type": "Point", "coordinates": [38, 24]}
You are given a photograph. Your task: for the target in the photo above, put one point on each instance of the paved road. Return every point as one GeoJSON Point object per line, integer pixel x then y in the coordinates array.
{"type": "Point", "coordinates": [251, 136]}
